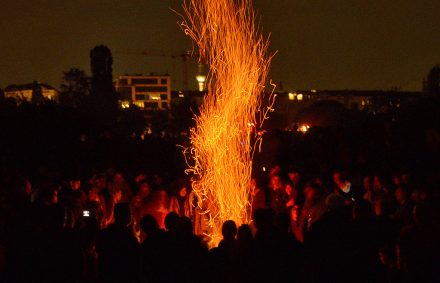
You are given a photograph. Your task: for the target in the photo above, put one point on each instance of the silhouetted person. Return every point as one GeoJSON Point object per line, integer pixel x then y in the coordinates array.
{"type": "Point", "coordinates": [73, 198]}
{"type": "Point", "coordinates": [269, 247]}
{"type": "Point", "coordinates": [187, 255]}
{"type": "Point", "coordinates": [18, 219]}
{"type": "Point", "coordinates": [150, 226]}
{"type": "Point", "coordinates": [257, 194]}
{"type": "Point", "coordinates": [418, 248]}
{"type": "Point", "coordinates": [313, 209]}
{"type": "Point", "coordinates": [329, 244]}
{"type": "Point", "coordinates": [172, 223]}
{"type": "Point", "coordinates": [368, 192]}
{"type": "Point", "coordinates": [245, 242]}
{"type": "Point", "coordinates": [367, 242]}
{"type": "Point", "coordinates": [180, 202]}
{"type": "Point", "coordinates": [277, 197]}
{"type": "Point", "coordinates": [120, 185]}
{"type": "Point", "coordinates": [295, 178]}
{"type": "Point", "coordinates": [154, 252]}
{"type": "Point", "coordinates": [59, 250]}
{"type": "Point", "coordinates": [118, 249]}
{"type": "Point", "coordinates": [403, 214]}
{"type": "Point", "coordinates": [228, 245]}
{"type": "Point", "coordinates": [344, 187]}
{"type": "Point", "coordinates": [246, 254]}
{"type": "Point", "coordinates": [193, 253]}
{"type": "Point", "coordinates": [388, 232]}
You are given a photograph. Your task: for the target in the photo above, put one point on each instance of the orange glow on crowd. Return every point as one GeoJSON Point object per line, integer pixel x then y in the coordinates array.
{"type": "Point", "coordinates": [224, 139]}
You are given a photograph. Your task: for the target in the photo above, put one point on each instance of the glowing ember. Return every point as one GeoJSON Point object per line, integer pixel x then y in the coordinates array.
{"type": "Point", "coordinates": [225, 136]}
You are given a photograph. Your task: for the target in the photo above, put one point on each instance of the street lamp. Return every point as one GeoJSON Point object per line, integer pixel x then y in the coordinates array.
{"type": "Point", "coordinates": [201, 79]}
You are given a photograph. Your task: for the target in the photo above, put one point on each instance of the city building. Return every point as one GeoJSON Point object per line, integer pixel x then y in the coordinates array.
{"type": "Point", "coordinates": [31, 92]}
{"type": "Point", "coordinates": [289, 105]}
{"type": "Point", "coordinates": [146, 92]}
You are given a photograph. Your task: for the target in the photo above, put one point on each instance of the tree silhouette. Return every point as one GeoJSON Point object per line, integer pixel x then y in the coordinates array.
{"type": "Point", "coordinates": [103, 99]}
{"type": "Point", "coordinates": [160, 122]}
{"type": "Point", "coordinates": [75, 87]}
{"type": "Point", "coordinates": [101, 62]}
{"type": "Point", "coordinates": [37, 93]}
{"type": "Point", "coordinates": [432, 82]}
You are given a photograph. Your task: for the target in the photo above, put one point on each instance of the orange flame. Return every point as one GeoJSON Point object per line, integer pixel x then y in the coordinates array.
{"type": "Point", "coordinates": [223, 141]}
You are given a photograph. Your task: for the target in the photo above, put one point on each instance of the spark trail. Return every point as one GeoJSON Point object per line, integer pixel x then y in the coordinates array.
{"type": "Point", "coordinates": [224, 138]}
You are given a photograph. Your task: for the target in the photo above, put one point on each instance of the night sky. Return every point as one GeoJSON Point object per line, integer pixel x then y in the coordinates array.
{"type": "Point", "coordinates": [322, 44]}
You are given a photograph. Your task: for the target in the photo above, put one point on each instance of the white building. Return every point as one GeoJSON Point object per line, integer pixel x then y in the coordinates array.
{"type": "Point", "coordinates": [146, 92]}
{"type": "Point", "coordinates": [25, 92]}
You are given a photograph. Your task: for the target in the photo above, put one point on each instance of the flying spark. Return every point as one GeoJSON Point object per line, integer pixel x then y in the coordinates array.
{"type": "Point", "coordinates": [225, 137]}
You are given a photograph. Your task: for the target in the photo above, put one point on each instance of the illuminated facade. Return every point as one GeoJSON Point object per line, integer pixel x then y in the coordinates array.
{"type": "Point", "coordinates": [28, 92]}
{"type": "Point", "coordinates": [146, 92]}
{"type": "Point", "coordinates": [290, 105]}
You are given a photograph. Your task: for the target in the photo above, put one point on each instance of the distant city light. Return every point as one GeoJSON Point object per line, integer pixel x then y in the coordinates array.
{"type": "Point", "coordinates": [201, 79]}
{"type": "Point", "coordinates": [299, 96]}
{"type": "Point", "coordinates": [303, 128]}
{"type": "Point", "coordinates": [292, 96]}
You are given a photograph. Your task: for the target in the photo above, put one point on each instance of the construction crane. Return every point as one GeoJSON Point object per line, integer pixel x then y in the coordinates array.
{"type": "Point", "coordinates": [186, 58]}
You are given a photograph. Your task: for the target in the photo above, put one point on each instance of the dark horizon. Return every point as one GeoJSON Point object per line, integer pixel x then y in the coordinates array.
{"type": "Point", "coordinates": [321, 45]}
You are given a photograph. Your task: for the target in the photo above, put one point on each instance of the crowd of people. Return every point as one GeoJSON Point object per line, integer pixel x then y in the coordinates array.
{"type": "Point", "coordinates": [112, 228]}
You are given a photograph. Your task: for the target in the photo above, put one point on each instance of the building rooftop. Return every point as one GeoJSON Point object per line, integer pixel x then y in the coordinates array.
{"type": "Point", "coordinates": [21, 87]}
{"type": "Point", "coordinates": [352, 92]}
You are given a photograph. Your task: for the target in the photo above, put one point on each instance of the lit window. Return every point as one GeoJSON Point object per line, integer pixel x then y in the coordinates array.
{"type": "Point", "coordinates": [125, 104]}
{"type": "Point", "coordinates": [292, 96]}
{"type": "Point", "coordinates": [299, 97]}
